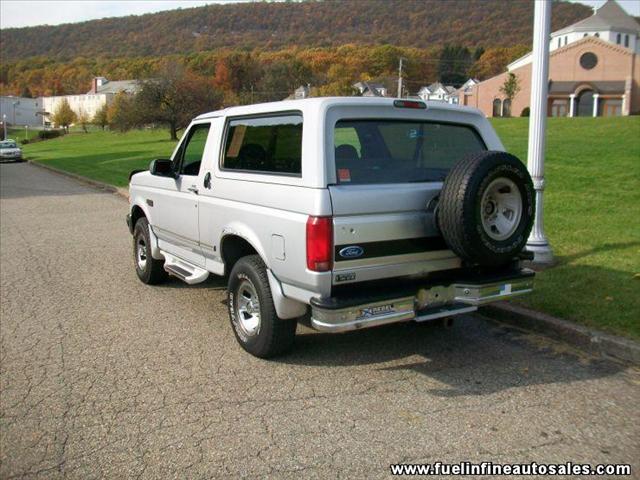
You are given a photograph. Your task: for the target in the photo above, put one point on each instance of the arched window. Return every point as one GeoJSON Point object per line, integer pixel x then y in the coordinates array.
{"type": "Point", "coordinates": [559, 42]}
{"type": "Point", "coordinates": [497, 108]}
{"type": "Point", "coordinates": [618, 39]}
{"type": "Point", "coordinates": [506, 108]}
{"type": "Point", "coordinates": [597, 35]}
{"type": "Point", "coordinates": [566, 40]}
{"type": "Point", "coordinates": [626, 41]}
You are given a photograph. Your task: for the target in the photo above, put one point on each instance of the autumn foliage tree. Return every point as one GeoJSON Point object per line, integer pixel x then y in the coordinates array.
{"type": "Point", "coordinates": [64, 116]}
{"type": "Point", "coordinates": [101, 118]}
{"type": "Point", "coordinates": [494, 61]}
{"type": "Point", "coordinates": [174, 97]}
{"type": "Point", "coordinates": [122, 114]}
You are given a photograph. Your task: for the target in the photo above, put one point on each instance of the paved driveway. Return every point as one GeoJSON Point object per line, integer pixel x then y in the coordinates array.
{"type": "Point", "coordinates": [102, 376]}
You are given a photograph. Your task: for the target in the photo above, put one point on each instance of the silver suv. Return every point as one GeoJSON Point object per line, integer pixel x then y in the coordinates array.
{"type": "Point", "coordinates": [342, 213]}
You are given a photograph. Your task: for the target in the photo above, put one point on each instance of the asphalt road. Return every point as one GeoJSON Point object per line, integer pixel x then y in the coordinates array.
{"type": "Point", "coordinates": [104, 377]}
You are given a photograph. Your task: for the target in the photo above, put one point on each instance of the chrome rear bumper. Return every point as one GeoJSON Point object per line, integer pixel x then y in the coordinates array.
{"type": "Point", "coordinates": [423, 303]}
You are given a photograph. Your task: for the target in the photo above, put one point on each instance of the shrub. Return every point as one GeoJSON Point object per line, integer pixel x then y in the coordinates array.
{"type": "Point", "coordinates": [526, 111]}
{"type": "Point", "coordinates": [24, 141]}
{"type": "Point", "coordinates": [47, 134]}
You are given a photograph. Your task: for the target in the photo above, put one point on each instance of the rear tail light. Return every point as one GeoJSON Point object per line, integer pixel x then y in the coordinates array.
{"type": "Point", "coordinates": [319, 244]}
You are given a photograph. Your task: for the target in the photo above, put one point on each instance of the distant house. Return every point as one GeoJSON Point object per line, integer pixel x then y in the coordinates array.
{"type": "Point", "coordinates": [102, 93]}
{"type": "Point", "coordinates": [303, 91]}
{"type": "Point", "coordinates": [469, 84]}
{"type": "Point", "coordinates": [439, 92]}
{"type": "Point", "coordinates": [369, 89]}
{"type": "Point", "coordinates": [21, 111]}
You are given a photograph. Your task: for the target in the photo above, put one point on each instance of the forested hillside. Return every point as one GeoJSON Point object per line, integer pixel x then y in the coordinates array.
{"type": "Point", "coordinates": [266, 25]}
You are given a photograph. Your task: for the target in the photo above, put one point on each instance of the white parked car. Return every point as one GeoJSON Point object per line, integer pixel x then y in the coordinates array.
{"type": "Point", "coordinates": [342, 213]}
{"type": "Point", "coordinates": [9, 151]}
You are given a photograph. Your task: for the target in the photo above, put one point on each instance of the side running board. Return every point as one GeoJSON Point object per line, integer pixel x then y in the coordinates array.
{"type": "Point", "coordinates": [185, 271]}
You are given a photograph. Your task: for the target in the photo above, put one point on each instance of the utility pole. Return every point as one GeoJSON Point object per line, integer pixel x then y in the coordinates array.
{"type": "Point", "coordinates": [400, 78]}
{"type": "Point", "coordinates": [538, 242]}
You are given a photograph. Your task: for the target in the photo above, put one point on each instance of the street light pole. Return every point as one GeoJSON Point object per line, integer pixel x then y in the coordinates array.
{"type": "Point", "coordinates": [14, 111]}
{"type": "Point", "coordinates": [538, 242]}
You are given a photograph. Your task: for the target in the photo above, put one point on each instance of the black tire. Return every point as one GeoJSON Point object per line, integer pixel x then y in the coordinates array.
{"type": "Point", "coordinates": [460, 208]}
{"type": "Point", "coordinates": [273, 336]}
{"type": "Point", "coordinates": [152, 271]}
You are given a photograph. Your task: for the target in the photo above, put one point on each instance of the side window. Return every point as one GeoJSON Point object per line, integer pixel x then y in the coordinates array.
{"type": "Point", "coordinates": [264, 144]}
{"type": "Point", "coordinates": [192, 151]}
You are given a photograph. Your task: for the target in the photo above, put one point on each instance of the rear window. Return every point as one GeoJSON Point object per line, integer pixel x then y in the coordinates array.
{"type": "Point", "coordinates": [399, 151]}
{"type": "Point", "coordinates": [269, 144]}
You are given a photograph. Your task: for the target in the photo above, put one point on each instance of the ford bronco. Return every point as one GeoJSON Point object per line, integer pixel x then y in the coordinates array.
{"type": "Point", "coordinates": [342, 213]}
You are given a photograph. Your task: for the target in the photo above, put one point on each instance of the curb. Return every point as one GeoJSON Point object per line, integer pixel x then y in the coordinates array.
{"type": "Point", "coordinates": [122, 192]}
{"type": "Point", "coordinates": [593, 341]}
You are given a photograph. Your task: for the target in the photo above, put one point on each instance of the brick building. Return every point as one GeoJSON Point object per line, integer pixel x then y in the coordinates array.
{"type": "Point", "coordinates": [594, 70]}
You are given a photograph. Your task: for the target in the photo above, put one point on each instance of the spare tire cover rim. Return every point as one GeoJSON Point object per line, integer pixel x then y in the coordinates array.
{"type": "Point", "coordinates": [501, 209]}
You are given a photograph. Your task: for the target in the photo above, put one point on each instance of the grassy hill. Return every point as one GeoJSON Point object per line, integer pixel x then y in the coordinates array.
{"type": "Point", "coordinates": [592, 206]}
{"type": "Point", "coordinates": [271, 25]}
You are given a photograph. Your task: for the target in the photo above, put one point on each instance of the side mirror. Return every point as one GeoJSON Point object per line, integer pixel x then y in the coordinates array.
{"type": "Point", "coordinates": [161, 167]}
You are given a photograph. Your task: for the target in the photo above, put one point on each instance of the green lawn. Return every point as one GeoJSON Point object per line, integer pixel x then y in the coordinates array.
{"type": "Point", "coordinates": [592, 206]}
{"type": "Point", "coordinates": [592, 219]}
{"type": "Point", "coordinates": [104, 156]}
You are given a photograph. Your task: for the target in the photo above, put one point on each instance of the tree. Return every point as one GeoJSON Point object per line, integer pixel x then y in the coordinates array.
{"type": "Point", "coordinates": [174, 97]}
{"type": "Point", "coordinates": [510, 87]}
{"type": "Point", "coordinates": [101, 118]}
{"type": "Point", "coordinates": [494, 61]}
{"type": "Point", "coordinates": [83, 119]}
{"type": "Point", "coordinates": [281, 78]}
{"type": "Point", "coordinates": [454, 64]}
{"type": "Point", "coordinates": [63, 116]}
{"type": "Point", "coordinates": [122, 114]}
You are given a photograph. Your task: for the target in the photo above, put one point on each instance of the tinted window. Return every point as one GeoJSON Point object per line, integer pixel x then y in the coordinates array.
{"type": "Point", "coordinates": [265, 144]}
{"type": "Point", "coordinates": [193, 150]}
{"type": "Point", "coordinates": [392, 151]}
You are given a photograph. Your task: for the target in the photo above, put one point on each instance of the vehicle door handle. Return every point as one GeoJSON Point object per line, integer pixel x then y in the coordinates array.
{"type": "Point", "coordinates": [207, 180]}
{"type": "Point", "coordinates": [193, 189]}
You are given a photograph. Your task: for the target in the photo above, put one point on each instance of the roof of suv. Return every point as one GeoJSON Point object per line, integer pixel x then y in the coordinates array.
{"type": "Point", "coordinates": [325, 102]}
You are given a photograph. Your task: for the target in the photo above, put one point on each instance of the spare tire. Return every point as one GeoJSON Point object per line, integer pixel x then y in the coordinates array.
{"type": "Point", "coordinates": [486, 208]}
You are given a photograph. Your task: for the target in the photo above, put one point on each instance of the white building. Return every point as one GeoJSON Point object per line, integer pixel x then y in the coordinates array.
{"type": "Point", "coordinates": [439, 92]}
{"type": "Point", "coordinates": [21, 111]}
{"type": "Point", "coordinates": [102, 93]}
{"type": "Point", "coordinates": [609, 23]}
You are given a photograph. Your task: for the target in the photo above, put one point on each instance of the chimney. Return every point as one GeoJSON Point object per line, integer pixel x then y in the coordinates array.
{"type": "Point", "coordinates": [94, 85]}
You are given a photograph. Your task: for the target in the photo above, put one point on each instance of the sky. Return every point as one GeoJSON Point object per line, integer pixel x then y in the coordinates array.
{"type": "Point", "coordinates": [23, 13]}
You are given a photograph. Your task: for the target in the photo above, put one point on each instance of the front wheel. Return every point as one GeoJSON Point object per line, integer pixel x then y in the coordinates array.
{"type": "Point", "coordinates": [253, 316]}
{"type": "Point", "coordinates": [148, 269]}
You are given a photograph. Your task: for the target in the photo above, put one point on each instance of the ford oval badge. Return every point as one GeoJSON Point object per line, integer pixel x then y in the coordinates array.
{"type": "Point", "coordinates": [352, 251]}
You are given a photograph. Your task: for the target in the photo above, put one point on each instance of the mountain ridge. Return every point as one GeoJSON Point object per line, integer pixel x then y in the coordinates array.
{"type": "Point", "coordinates": [278, 25]}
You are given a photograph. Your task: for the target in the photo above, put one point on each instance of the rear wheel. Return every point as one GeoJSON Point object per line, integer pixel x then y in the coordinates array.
{"type": "Point", "coordinates": [486, 208]}
{"type": "Point", "coordinates": [253, 316]}
{"type": "Point", "coordinates": [148, 269]}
